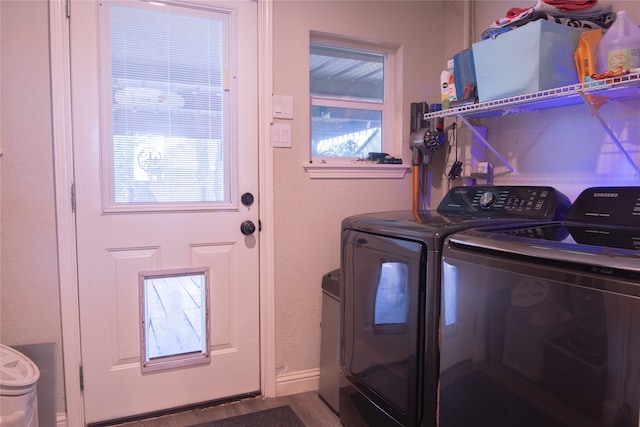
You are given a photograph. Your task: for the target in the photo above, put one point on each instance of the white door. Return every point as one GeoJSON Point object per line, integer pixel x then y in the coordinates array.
{"type": "Point", "coordinates": [165, 144]}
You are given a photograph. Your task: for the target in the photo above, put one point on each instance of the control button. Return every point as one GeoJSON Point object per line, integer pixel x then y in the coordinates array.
{"type": "Point", "coordinates": [487, 199]}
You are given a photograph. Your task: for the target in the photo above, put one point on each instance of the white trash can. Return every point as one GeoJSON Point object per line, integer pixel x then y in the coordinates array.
{"type": "Point", "coordinates": [18, 396]}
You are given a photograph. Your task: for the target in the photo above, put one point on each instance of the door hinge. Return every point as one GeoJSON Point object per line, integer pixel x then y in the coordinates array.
{"type": "Point", "coordinates": [73, 197]}
{"type": "Point", "coordinates": [68, 8]}
{"type": "Point", "coordinates": [81, 372]}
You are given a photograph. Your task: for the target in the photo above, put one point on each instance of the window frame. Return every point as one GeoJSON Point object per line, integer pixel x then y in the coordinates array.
{"type": "Point", "coordinates": [352, 167]}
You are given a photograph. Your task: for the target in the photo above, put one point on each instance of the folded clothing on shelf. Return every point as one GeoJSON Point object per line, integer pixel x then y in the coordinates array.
{"type": "Point", "coordinates": [581, 14]}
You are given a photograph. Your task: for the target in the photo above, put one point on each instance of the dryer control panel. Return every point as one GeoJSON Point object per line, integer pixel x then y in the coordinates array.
{"type": "Point", "coordinates": [537, 202]}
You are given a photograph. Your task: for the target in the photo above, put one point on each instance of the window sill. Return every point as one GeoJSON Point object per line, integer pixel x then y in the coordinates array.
{"type": "Point", "coordinates": [360, 170]}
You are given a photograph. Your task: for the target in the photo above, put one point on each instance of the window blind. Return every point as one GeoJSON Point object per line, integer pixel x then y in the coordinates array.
{"type": "Point", "coordinates": [168, 112]}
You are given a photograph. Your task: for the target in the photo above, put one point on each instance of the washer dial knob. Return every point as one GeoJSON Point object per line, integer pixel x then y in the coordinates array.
{"type": "Point", "coordinates": [487, 199]}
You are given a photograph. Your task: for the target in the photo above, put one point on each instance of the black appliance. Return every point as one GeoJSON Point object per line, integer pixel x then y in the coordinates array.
{"type": "Point", "coordinates": [390, 275]}
{"type": "Point", "coordinates": [540, 325]}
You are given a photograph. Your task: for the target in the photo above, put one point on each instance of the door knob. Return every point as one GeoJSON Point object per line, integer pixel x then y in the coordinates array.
{"type": "Point", "coordinates": [247, 228]}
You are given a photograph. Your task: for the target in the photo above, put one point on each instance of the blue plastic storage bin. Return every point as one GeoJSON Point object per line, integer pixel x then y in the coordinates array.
{"type": "Point", "coordinates": [531, 58]}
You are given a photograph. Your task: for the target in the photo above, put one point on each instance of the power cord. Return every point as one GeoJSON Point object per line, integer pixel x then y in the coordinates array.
{"type": "Point", "coordinates": [456, 168]}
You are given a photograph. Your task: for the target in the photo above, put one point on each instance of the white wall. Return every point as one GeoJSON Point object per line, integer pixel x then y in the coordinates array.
{"type": "Point", "coordinates": [29, 301]}
{"type": "Point", "coordinates": [569, 151]}
{"type": "Point", "coordinates": [309, 212]}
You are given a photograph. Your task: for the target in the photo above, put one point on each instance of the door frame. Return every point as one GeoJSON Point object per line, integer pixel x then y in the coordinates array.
{"type": "Point", "coordinates": [65, 215]}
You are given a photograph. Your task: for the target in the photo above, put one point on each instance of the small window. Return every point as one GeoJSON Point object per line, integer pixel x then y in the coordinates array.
{"type": "Point", "coordinates": [351, 99]}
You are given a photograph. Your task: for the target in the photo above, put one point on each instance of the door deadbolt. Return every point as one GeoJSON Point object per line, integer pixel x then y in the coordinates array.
{"type": "Point", "coordinates": [247, 199]}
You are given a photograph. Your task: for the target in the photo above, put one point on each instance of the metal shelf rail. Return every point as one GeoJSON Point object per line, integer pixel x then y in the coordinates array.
{"type": "Point", "coordinates": [615, 88]}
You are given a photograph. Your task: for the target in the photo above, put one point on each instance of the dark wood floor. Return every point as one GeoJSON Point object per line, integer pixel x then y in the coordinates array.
{"type": "Point", "coordinates": [308, 406]}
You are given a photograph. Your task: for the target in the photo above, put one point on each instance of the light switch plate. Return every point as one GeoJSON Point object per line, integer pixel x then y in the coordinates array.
{"type": "Point", "coordinates": [282, 106]}
{"type": "Point", "coordinates": [281, 135]}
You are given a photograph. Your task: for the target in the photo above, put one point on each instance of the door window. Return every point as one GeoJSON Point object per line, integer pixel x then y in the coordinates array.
{"type": "Point", "coordinates": [165, 133]}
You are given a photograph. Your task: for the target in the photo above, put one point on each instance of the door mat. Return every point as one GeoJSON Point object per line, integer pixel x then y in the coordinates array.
{"type": "Point", "coordinates": [282, 416]}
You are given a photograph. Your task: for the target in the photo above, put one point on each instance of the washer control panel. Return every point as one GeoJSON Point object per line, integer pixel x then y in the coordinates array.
{"type": "Point", "coordinates": [505, 201]}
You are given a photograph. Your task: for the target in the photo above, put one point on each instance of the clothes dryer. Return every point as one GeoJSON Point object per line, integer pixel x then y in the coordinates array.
{"type": "Point", "coordinates": [390, 287]}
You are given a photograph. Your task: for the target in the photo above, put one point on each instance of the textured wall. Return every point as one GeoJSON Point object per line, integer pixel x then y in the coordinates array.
{"type": "Point", "coordinates": [570, 151]}
{"type": "Point", "coordinates": [29, 305]}
{"type": "Point", "coordinates": [309, 212]}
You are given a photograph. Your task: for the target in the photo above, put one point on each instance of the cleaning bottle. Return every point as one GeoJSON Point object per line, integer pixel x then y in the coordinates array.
{"type": "Point", "coordinates": [586, 54]}
{"type": "Point", "coordinates": [620, 45]}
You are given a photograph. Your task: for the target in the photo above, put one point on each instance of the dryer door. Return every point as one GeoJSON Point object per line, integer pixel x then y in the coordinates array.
{"type": "Point", "coordinates": [383, 304]}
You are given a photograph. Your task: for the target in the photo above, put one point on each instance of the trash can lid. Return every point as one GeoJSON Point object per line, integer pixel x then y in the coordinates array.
{"type": "Point", "coordinates": [331, 283]}
{"type": "Point", "coordinates": [17, 371]}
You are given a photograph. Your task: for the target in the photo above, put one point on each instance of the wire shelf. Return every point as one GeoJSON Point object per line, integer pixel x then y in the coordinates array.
{"type": "Point", "coordinates": [616, 88]}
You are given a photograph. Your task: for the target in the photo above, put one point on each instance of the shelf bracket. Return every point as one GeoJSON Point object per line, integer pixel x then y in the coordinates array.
{"type": "Point", "coordinates": [607, 129]}
{"type": "Point", "coordinates": [485, 142]}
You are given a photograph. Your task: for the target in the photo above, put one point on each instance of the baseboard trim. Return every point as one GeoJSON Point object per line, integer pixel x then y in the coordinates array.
{"type": "Point", "coordinates": [61, 419]}
{"type": "Point", "coordinates": [286, 384]}
{"type": "Point", "coordinates": [297, 382]}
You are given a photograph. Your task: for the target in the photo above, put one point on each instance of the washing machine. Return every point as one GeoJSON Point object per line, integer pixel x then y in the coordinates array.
{"type": "Point", "coordinates": [534, 313]}
{"type": "Point", "coordinates": [390, 287]}
{"type": "Point", "coordinates": [541, 323]}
